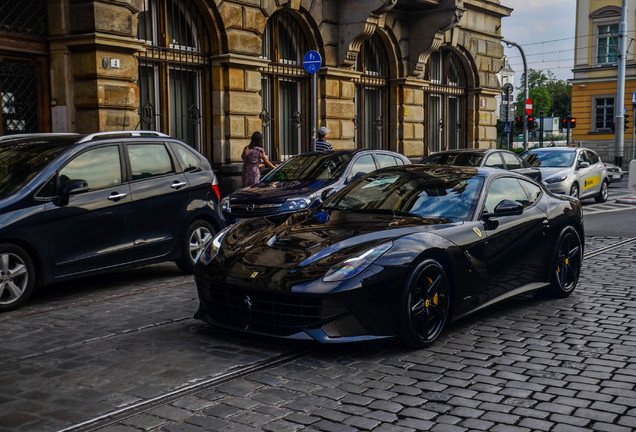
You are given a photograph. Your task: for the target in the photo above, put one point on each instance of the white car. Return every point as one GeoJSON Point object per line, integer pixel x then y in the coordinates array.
{"type": "Point", "coordinates": [614, 173]}
{"type": "Point", "coordinates": [574, 171]}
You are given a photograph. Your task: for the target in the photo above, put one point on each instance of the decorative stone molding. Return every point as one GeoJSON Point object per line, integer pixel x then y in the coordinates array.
{"type": "Point", "coordinates": [358, 20]}
{"type": "Point", "coordinates": [427, 32]}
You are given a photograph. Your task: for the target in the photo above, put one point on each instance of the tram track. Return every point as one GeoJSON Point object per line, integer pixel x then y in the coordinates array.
{"type": "Point", "coordinates": [118, 415]}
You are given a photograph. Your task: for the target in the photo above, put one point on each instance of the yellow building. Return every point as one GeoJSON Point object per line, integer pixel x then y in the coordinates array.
{"type": "Point", "coordinates": [413, 76]}
{"type": "Point", "coordinates": [594, 86]}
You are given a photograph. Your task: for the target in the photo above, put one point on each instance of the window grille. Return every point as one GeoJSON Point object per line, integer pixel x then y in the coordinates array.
{"type": "Point", "coordinates": [173, 69]}
{"type": "Point", "coordinates": [19, 96]}
{"type": "Point", "coordinates": [285, 97]}
{"type": "Point", "coordinates": [26, 17]}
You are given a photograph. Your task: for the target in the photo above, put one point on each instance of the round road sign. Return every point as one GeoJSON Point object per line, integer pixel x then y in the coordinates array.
{"type": "Point", "coordinates": [312, 61]}
{"type": "Point", "coordinates": [528, 106]}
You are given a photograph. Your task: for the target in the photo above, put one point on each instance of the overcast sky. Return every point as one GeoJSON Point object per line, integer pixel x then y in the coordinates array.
{"type": "Point", "coordinates": [545, 31]}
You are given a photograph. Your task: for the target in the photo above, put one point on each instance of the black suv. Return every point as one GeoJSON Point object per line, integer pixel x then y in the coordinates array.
{"type": "Point", "coordinates": [73, 205]}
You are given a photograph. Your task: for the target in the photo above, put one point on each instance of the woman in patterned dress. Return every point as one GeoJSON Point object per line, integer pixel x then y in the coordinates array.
{"type": "Point", "coordinates": [252, 156]}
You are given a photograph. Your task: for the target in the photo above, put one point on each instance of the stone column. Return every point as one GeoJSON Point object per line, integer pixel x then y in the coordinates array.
{"type": "Point", "coordinates": [410, 116]}
{"type": "Point", "coordinates": [337, 106]}
{"type": "Point", "coordinates": [94, 42]}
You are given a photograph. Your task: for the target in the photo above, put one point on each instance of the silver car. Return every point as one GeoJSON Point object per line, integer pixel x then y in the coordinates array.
{"type": "Point", "coordinates": [573, 171]}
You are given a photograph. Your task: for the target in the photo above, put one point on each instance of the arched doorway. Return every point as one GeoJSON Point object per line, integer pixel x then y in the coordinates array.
{"type": "Point", "coordinates": [285, 87]}
{"type": "Point", "coordinates": [372, 95]}
{"type": "Point", "coordinates": [24, 90]}
{"type": "Point", "coordinates": [447, 101]}
{"type": "Point", "coordinates": [174, 71]}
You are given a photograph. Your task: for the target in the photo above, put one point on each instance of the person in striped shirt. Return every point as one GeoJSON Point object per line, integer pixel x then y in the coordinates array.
{"type": "Point", "coordinates": [321, 144]}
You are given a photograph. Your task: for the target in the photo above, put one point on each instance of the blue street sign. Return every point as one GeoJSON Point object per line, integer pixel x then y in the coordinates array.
{"type": "Point", "coordinates": [634, 98]}
{"type": "Point", "coordinates": [312, 61]}
{"type": "Point", "coordinates": [506, 127]}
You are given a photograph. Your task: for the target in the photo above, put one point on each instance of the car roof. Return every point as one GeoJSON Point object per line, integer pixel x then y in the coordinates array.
{"type": "Point", "coordinates": [71, 139]}
{"type": "Point", "coordinates": [563, 148]}
{"type": "Point", "coordinates": [351, 152]}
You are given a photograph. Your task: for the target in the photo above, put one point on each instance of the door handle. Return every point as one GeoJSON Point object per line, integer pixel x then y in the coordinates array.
{"type": "Point", "coordinates": [116, 196]}
{"type": "Point", "coordinates": [178, 185]}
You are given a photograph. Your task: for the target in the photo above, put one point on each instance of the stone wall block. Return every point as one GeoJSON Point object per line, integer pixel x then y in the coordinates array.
{"type": "Point", "coordinates": [347, 130]}
{"type": "Point", "coordinates": [331, 88]}
{"type": "Point", "coordinates": [338, 109]}
{"type": "Point", "coordinates": [254, 20]}
{"type": "Point", "coordinates": [232, 15]}
{"type": "Point", "coordinates": [252, 81]}
{"type": "Point", "coordinates": [235, 79]}
{"type": "Point", "coordinates": [238, 102]}
{"type": "Point", "coordinates": [347, 90]}
{"type": "Point", "coordinates": [243, 42]}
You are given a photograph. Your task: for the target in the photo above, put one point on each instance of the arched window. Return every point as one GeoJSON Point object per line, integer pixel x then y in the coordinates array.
{"type": "Point", "coordinates": [285, 90]}
{"type": "Point", "coordinates": [447, 101]}
{"type": "Point", "coordinates": [372, 95]}
{"type": "Point", "coordinates": [24, 97]}
{"type": "Point", "coordinates": [173, 70]}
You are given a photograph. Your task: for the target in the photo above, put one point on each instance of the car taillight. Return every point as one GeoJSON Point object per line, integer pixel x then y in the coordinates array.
{"type": "Point", "coordinates": [215, 188]}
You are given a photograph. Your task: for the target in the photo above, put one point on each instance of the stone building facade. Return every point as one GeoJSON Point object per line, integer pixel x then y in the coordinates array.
{"type": "Point", "coordinates": [414, 76]}
{"type": "Point", "coordinates": [594, 85]}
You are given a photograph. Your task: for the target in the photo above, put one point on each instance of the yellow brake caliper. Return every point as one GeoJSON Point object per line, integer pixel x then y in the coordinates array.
{"type": "Point", "coordinates": [435, 297]}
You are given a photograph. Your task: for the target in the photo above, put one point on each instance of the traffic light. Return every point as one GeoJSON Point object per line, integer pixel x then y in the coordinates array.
{"type": "Point", "coordinates": [564, 122]}
{"type": "Point", "coordinates": [572, 122]}
{"type": "Point", "coordinates": [519, 122]}
{"type": "Point", "coordinates": [531, 123]}
{"type": "Point", "coordinates": [626, 121]}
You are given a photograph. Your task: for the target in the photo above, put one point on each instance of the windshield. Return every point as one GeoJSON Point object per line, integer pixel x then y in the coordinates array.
{"type": "Point", "coordinates": [456, 159]}
{"type": "Point", "coordinates": [323, 167]}
{"type": "Point", "coordinates": [415, 193]}
{"type": "Point", "coordinates": [20, 163]}
{"type": "Point", "coordinates": [550, 159]}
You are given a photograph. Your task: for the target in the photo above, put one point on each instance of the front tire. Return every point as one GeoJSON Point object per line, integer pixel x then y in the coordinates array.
{"type": "Point", "coordinates": [425, 305]}
{"type": "Point", "coordinates": [574, 190]}
{"type": "Point", "coordinates": [603, 194]}
{"type": "Point", "coordinates": [196, 238]}
{"type": "Point", "coordinates": [17, 276]}
{"type": "Point", "coordinates": [566, 263]}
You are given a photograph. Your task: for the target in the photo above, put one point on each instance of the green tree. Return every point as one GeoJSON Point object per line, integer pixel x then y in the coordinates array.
{"type": "Point", "coordinates": [548, 94]}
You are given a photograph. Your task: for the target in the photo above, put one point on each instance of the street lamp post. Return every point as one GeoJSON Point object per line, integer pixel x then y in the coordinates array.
{"type": "Point", "coordinates": [525, 91]}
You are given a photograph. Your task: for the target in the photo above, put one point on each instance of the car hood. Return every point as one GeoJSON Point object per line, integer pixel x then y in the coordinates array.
{"type": "Point", "coordinates": [278, 191]}
{"type": "Point", "coordinates": [306, 245]}
{"type": "Point", "coordinates": [550, 172]}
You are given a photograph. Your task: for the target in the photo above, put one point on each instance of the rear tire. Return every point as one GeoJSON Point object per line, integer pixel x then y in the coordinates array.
{"type": "Point", "coordinates": [566, 263]}
{"type": "Point", "coordinates": [196, 238]}
{"type": "Point", "coordinates": [17, 276]}
{"type": "Point", "coordinates": [603, 194]}
{"type": "Point", "coordinates": [425, 305]}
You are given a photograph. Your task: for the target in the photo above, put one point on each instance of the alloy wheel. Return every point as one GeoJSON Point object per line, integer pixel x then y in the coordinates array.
{"type": "Point", "coordinates": [568, 265]}
{"type": "Point", "coordinates": [14, 278]}
{"type": "Point", "coordinates": [199, 239]}
{"type": "Point", "coordinates": [428, 304]}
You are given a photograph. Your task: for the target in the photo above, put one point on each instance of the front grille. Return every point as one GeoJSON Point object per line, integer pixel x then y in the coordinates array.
{"type": "Point", "coordinates": [253, 210]}
{"type": "Point", "coordinates": [279, 313]}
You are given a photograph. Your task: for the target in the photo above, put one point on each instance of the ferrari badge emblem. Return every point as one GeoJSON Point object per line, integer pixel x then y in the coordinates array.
{"type": "Point", "coordinates": [477, 231]}
{"type": "Point", "coordinates": [253, 275]}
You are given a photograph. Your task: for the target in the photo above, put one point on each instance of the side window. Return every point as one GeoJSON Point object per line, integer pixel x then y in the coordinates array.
{"type": "Point", "coordinates": [583, 156]}
{"type": "Point", "coordinates": [494, 161]}
{"type": "Point", "coordinates": [385, 160]}
{"type": "Point", "coordinates": [532, 191]}
{"type": "Point", "coordinates": [100, 167]}
{"type": "Point", "coordinates": [189, 161]}
{"type": "Point", "coordinates": [505, 188]}
{"type": "Point", "coordinates": [512, 162]}
{"type": "Point", "coordinates": [361, 166]}
{"type": "Point", "coordinates": [148, 160]}
{"type": "Point", "coordinates": [593, 157]}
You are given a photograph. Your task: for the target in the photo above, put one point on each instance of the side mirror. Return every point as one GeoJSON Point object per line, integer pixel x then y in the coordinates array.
{"type": "Point", "coordinates": [583, 164]}
{"type": "Point", "coordinates": [72, 187]}
{"type": "Point", "coordinates": [508, 208]}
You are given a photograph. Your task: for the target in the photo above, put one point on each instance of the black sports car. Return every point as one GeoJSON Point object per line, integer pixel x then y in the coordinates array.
{"type": "Point", "coordinates": [398, 253]}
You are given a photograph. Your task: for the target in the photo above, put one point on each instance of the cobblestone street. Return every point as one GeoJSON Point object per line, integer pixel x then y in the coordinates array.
{"type": "Point", "coordinates": [529, 364]}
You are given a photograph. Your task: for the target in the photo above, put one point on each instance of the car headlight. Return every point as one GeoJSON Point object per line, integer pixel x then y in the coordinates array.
{"type": "Point", "coordinates": [294, 204]}
{"type": "Point", "coordinates": [225, 205]}
{"type": "Point", "coordinates": [556, 179]}
{"type": "Point", "coordinates": [355, 265]}
{"type": "Point", "coordinates": [213, 248]}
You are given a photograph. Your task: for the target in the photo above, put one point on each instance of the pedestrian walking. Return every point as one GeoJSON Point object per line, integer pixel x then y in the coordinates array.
{"type": "Point", "coordinates": [254, 158]}
{"type": "Point", "coordinates": [321, 143]}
